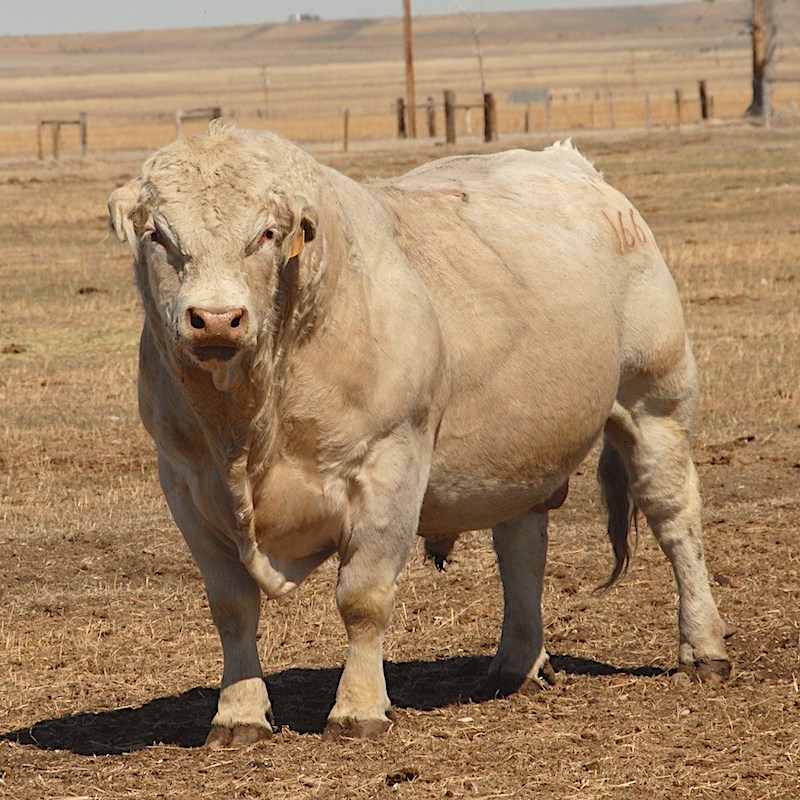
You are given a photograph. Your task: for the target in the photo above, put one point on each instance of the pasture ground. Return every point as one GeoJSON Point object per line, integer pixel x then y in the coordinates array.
{"type": "Point", "coordinates": [108, 657]}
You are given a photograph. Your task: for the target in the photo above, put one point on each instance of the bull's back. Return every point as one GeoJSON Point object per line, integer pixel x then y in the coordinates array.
{"type": "Point", "coordinates": [520, 255]}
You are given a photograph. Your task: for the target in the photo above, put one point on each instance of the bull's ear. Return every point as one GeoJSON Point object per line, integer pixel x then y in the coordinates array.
{"type": "Point", "coordinates": [308, 223]}
{"type": "Point", "coordinates": [121, 208]}
{"type": "Point", "coordinates": [304, 232]}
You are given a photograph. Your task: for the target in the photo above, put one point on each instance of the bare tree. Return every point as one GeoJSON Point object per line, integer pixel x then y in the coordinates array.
{"type": "Point", "coordinates": [763, 35]}
{"type": "Point", "coordinates": [763, 32]}
{"type": "Point", "coordinates": [474, 18]}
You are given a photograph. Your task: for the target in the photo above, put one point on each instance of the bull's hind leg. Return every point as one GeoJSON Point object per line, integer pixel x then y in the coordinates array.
{"type": "Point", "coordinates": [521, 547]}
{"type": "Point", "coordinates": [650, 427]}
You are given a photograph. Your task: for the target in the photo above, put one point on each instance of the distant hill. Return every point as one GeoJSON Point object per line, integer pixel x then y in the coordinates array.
{"type": "Point", "coordinates": [336, 41]}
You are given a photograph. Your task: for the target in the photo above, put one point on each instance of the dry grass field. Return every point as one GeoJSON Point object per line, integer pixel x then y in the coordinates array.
{"type": "Point", "coordinates": [108, 658]}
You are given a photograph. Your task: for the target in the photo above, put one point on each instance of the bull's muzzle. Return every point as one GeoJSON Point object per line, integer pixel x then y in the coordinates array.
{"type": "Point", "coordinates": [215, 333]}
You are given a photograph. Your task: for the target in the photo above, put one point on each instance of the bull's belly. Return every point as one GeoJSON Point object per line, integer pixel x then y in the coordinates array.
{"type": "Point", "coordinates": [459, 502]}
{"type": "Point", "coordinates": [482, 506]}
{"type": "Point", "coordinates": [480, 478]}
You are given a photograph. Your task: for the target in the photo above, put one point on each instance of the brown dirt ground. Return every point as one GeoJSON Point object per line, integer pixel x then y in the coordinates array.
{"type": "Point", "coordinates": [108, 657]}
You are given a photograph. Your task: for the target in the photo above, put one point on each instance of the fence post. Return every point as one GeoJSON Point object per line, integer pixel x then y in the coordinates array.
{"type": "Point", "coordinates": [431, 117]}
{"type": "Point", "coordinates": [346, 129]}
{"type": "Point", "coordinates": [703, 101]}
{"type": "Point", "coordinates": [39, 146]}
{"type": "Point", "coordinates": [528, 118]}
{"type": "Point", "coordinates": [679, 106]}
{"type": "Point", "coordinates": [450, 116]}
{"type": "Point", "coordinates": [402, 133]}
{"type": "Point", "coordinates": [56, 130]}
{"type": "Point", "coordinates": [489, 118]}
{"type": "Point", "coordinates": [82, 132]}
{"type": "Point", "coordinates": [548, 110]}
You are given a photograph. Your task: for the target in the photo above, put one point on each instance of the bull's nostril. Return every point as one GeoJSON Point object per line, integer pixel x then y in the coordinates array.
{"type": "Point", "coordinates": [211, 327]}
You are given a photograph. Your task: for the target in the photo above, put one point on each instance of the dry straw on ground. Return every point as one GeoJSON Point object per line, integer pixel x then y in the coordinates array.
{"type": "Point", "coordinates": [109, 657]}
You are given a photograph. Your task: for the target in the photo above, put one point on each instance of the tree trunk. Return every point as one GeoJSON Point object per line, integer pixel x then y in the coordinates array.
{"type": "Point", "coordinates": [762, 32]}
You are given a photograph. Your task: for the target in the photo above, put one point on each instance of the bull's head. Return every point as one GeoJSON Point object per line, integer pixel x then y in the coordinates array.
{"type": "Point", "coordinates": [213, 232]}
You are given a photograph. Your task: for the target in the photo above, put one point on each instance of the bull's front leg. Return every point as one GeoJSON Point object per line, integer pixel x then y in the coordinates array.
{"type": "Point", "coordinates": [365, 597]}
{"type": "Point", "coordinates": [385, 514]}
{"type": "Point", "coordinates": [244, 713]}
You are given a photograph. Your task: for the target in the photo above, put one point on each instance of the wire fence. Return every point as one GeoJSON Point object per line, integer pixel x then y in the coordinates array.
{"type": "Point", "coordinates": [559, 113]}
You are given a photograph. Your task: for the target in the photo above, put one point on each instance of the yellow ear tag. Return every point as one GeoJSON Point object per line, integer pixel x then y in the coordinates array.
{"type": "Point", "coordinates": [297, 245]}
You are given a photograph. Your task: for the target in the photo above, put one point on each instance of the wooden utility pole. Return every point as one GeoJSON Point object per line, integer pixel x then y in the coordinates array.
{"type": "Point", "coordinates": [762, 33]}
{"type": "Point", "coordinates": [411, 99]}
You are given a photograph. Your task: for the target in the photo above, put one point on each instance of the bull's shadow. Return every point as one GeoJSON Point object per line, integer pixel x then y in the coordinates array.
{"type": "Point", "coordinates": [301, 701]}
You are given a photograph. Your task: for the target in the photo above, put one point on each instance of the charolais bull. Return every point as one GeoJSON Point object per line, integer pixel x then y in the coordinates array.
{"type": "Point", "coordinates": [329, 368]}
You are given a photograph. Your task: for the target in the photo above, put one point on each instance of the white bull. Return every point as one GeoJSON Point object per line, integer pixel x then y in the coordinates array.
{"type": "Point", "coordinates": [328, 367]}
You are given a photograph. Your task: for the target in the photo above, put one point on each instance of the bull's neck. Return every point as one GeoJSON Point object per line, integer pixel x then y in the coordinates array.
{"type": "Point", "coordinates": [238, 422]}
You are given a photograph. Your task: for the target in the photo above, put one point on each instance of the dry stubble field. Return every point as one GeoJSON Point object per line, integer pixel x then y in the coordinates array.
{"type": "Point", "coordinates": [109, 660]}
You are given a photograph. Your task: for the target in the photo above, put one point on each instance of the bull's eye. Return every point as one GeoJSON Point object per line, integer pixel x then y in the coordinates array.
{"type": "Point", "coordinates": [266, 236]}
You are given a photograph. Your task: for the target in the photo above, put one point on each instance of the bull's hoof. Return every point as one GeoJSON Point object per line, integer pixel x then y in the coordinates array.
{"type": "Point", "coordinates": [727, 630]}
{"type": "Point", "coordinates": [220, 737]}
{"type": "Point", "coordinates": [548, 674]}
{"type": "Point", "coordinates": [502, 684]}
{"type": "Point", "coordinates": [710, 672]}
{"type": "Point", "coordinates": [350, 728]}
{"type": "Point", "coordinates": [717, 671]}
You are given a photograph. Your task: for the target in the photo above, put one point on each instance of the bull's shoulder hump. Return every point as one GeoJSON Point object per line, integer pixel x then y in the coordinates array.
{"type": "Point", "coordinates": [569, 157]}
{"type": "Point", "coordinates": [561, 160]}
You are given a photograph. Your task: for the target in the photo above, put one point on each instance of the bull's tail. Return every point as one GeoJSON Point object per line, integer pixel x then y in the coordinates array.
{"type": "Point", "coordinates": [614, 485]}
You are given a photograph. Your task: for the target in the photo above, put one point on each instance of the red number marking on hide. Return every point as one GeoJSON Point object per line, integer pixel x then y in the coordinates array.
{"type": "Point", "coordinates": [626, 237]}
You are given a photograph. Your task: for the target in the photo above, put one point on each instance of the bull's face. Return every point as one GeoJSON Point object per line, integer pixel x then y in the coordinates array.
{"type": "Point", "coordinates": [211, 235]}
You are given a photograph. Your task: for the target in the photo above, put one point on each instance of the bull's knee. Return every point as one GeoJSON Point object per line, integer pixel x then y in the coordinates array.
{"type": "Point", "coordinates": [366, 610]}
